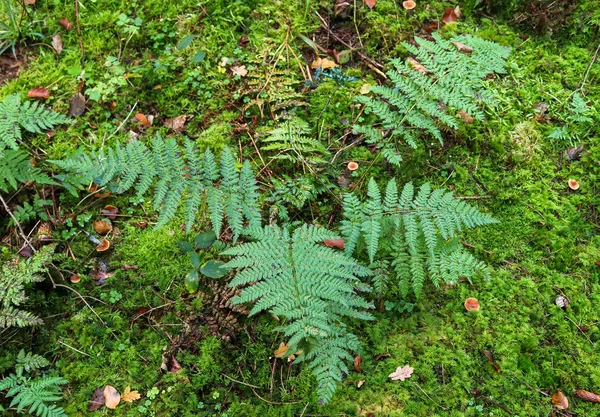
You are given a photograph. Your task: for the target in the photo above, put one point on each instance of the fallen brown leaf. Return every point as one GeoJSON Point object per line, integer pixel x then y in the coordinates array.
{"type": "Point", "coordinates": [280, 351]}
{"type": "Point", "coordinates": [141, 119]}
{"type": "Point", "coordinates": [77, 105]}
{"type": "Point", "coordinates": [416, 65]}
{"type": "Point", "coordinates": [334, 243]}
{"type": "Point", "coordinates": [175, 366]}
{"type": "Point", "coordinates": [559, 400]}
{"type": "Point", "coordinates": [38, 93]}
{"type": "Point", "coordinates": [57, 43]}
{"type": "Point", "coordinates": [461, 47]}
{"type": "Point", "coordinates": [130, 396]}
{"type": "Point", "coordinates": [177, 123]}
{"type": "Point", "coordinates": [450, 15]}
{"type": "Point", "coordinates": [382, 355]}
{"type": "Point", "coordinates": [112, 398]}
{"type": "Point", "coordinates": [102, 227]}
{"type": "Point", "coordinates": [401, 373]}
{"type": "Point", "coordinates": [97, 400]}
{"type": "Point", "coordinates": [466, 117]}
{"type": "Point", "coordinates": [490, 357]}
{"type": "Point", "coordinates": [357, 361]}
{"type": "Point", "coordinates": [110, 212]}
{"type": "Point", "coordinates": [66, 24]}
{"type": "Point", "coordinates": [239, 70]}
{"type": "Point", "coordinates": [324, 63]}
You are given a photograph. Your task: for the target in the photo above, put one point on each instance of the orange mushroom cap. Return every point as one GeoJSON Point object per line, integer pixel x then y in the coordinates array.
{"type": "Point", "coordinates": [409, 4]}
{"type": "Point", "coordinates": [471, 304]}
{"type": "Point", "coordinates": [352, 166]}
{"type": "Point", "coordinates": [75, 278]}
{"type": "Point", "coordinates": [103, 246]}
{"type": "Point", "coordinates": [573, 184]}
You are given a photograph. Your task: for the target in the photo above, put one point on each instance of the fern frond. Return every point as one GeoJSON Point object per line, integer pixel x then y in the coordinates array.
{"type": "Point", "coordinates": [16, 167]}
{"type": "Point", "coordinates": [314, 287]}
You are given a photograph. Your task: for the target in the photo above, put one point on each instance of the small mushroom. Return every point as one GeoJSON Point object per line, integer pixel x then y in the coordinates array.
{"type": "Point", "coordinates": [573, 184]}
{"type": "Point", "coordinates": [352, 166]}
{"type": "Point", "coordinates": [471, 304]}
{"type": "Point", "coordinates": [110, 212]}
{"type": "Point", "coordinates": [409, 4]}
{"type": "Point", "coordinates": [103, 246]}
{"type": "Point", "coordinates": [75, 278]}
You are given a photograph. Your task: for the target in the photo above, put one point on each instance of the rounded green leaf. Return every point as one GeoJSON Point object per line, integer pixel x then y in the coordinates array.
{"type": "Point", "coordinates": [185, 42]}
{"type": "Point", "coordinates": [191, 282]}
{"type": "Point", "coordinates": [199, 57]}
{"type": "Point", "coordinates": [195, 259]}
{"type": "Point", "coordinates": [205, 240]}
{"type": "Point", "coordinates": [214, 269]}
{"type": "Point", "coordinates": [185, 247]}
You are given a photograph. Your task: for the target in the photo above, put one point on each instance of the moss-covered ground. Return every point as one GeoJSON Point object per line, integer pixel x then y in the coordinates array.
{"type": "Point", "coordinates": [547, 243]}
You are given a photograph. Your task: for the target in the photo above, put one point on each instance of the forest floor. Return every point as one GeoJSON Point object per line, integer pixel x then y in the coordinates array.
{"type": "Point", "coordinates": [247, 65]}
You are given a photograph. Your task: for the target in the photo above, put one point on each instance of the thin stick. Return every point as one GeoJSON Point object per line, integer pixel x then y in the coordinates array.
{"type": "Point", "coordinates": [272, 402]}
{"type": "Point", "coordinates": [240, 382]}
{"type": "Point", "coordinates": [72, 348]}
{"type": "Point", "coordinates": [79, 34]}
{"type": "Point", "coordinates": [14, 219]}
{"type": "Point", "coordinates": [442, 407]}
{"type": "Point", "coordinates": [121, 125]}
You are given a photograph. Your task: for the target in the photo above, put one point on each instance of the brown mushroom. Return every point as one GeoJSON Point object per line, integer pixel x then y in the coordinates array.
{"type": "Point", "coordinates": [352, 166]}
{"type": "Point", "coordinates": [75, 278]}
{"type": "Point", "coordinates": [409, 4]}
{"type": "Point", "coordinates": [573, 184]}
{"type": "Point", "coordinates": [103, 246]}
{"type": "Point", "coordinates": [471, 304]}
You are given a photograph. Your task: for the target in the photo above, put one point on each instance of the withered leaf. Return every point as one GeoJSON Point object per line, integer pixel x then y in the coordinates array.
{"type": "Point", "coordinates": [382, 356]}
{"type": "Point", "coordinates": [559, 400]}
{"type": "Point", "coordinates": [38, 93]}
{"type": "Point", "coordinates": [77, 105]}
{"type": "Point", "coordinates": [110, 212]}
{"type": "Point", "coordinates": [130, 396]}
{"type": "Point", "coordinates": [57, 43]}
{"type": "Point", "coordinates": [112, 398]}
{"type": "Point", "coordinates": [416, 65]}
{"type": "Point", "coordinates": [357, 361]}
{"type": "Point", "coordinates": [587, 396]}
{"type": "Point", "coordinates": [450, 15]}
{"type": "Point", "coordinates": [102, 227]}
{"type": "Point", "coordinates": [360, 383]}
{"type": "Point", "coordinates": [324, 63]}
{"type": "Point", "coordinates": [334, 243]}
{"type": "Point", "coordinates": [461, 47]}
{"type": "Point", "coordinates": [280, 352]}
{"type": "Point", "coordinates": [401, 373]}
{"type": "Point", "coordinates": [177, 123]}
{"type": "Point", "coordinates": [370, 3]}
{"type": "Point", "coordinates": [141, 119]}
{"type": "Point", "coordinates": [66, 24]}
{"type": "Point", "coordinates": [174, 365]}
{"type": "Point", "coordinates": [490, 357]}
{"type": "Point", "coordinates": [466, 117]}
{"type": "Point", "coordinates": [239, 70]}
{"type": "Point", "coordinates": [30, 2]}
{"type": "Point", "coordinates": [97, 400]}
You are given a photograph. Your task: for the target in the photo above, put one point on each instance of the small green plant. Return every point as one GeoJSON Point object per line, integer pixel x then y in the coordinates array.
{"type": "Point", "coordinates": [416, 234]}
{"type": "Point", "coordinates": [13, 279]}
{"type": "Point", "coordinates": [445, 77]}
{"type": "Point", "coordinates": [33, 392]}
{"type": "Point", "coordinates": [200, 259]}
{"type": "Point", "coordinates": [578, 123]}
{"type": "Point", "coordinates": [29, 115]}
{"type": "Point", "coordinates": [16, 28]}
{"type": "Point", "coordinates": [16, 168]}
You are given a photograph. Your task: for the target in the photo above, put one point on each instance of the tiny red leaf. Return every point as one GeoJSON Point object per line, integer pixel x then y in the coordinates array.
{"type": "Point", "coordinates": [370, 3]}
{"type": "Point", "coordinates": [449, 16]}
{"type": "Point", "coordinates": [39, 93]}
{"type": "Point", "coordinates": [65, 23]}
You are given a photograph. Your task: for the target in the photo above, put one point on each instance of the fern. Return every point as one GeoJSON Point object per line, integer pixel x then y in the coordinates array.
{"type": "Point", "coordinates": [291, 141]}
{"type": "Point", "coordinates": [418, 232]}
{"type": "Point", "coordinates": [33, 394]}
{"type": "Point", "coordinates": [177, 175]}
{"type": "Point", "coordinates": [293, 275]}
{"type": "Point", "coordinates": [13, 279]}
{"type": "Point", "coordinates": [30, 116]}
{"type": "Point", "coordinates": [16, 167]}
{"type": "Point", "coordinates": [425, 86]}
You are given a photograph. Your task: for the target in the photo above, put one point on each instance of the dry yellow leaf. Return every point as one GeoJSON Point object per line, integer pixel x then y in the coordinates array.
{"type": "Point", "coordinates": [130, 396]}
{"type": "Point", "coordinates": [324, 63]}
{"type": "Point", "coordinates": [112, 398]}
{"type": "Point", "coordinates": [280, 352]}
{"type": "Point", "coordinates": [365, 88]}
{"type": "Point", "coordinates": [559, 400]}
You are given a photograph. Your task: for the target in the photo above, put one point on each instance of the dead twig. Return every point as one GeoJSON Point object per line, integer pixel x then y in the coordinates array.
{"type": "Point", "coordinates": [430, 399]}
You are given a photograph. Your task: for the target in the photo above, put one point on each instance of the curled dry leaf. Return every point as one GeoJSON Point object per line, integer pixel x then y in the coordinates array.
{"type": "Point", "coordinates": [57, 43]}
{"type": "Point", "coordinates": [334, 243]}
{"type": "Point", "coordinates": [112, 398]}
{"type": "Point", "coordinates": [97, 400]}
{"type": "Point", "coordinates": [360, 383]}
{"type": "Point", "coordinates": [461, 47]}
{"type": "Point", "coordinates": [110, 212]}
{"type": "Point", "coordinates": [357, 361]}
{"type": "Point", "coordinates": [280, 352]}
{"type": "Point", "coordinates": [324, 63]}
{"type": "Point", "coordinates": [382, 356]}
{"type": "Point", "coordinates": [175, 366]}
{"type": "Point", "coordinates": [370, 3]}
{"type": "Point", "coordinates": [239, 70]}
{"type": "Point", "coordinates": [102, 227]}
{"type": "Point", "coordinates": [466, 117]}
{"type": "Point", "coordinates": [559, 400]}
{"type": "Point", "coordinates": [142, 119]}
{"type": "Point", "coordinates": [77, 105]}
{"type": "Point", "coordinates": [401, 373]}
{"type": "Point", "coordinates": [416, 65]}
{"type": "Point", "coordinates": [490, 357]}
{"type": "Point", "coordinates": [66, 24]}
{"type": "Point", "coordinates": [177, 123]}
{"type": "Point", "coordinates": [472, 304]}
{"type": "Point", "coordinates": [587, 396]}
{"type": "Point", "coordinates": [130, 396]}
{"type": "Point", "coordinates": [38, 93]}
{"type": "Point", "coordinates": [450, 15]}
